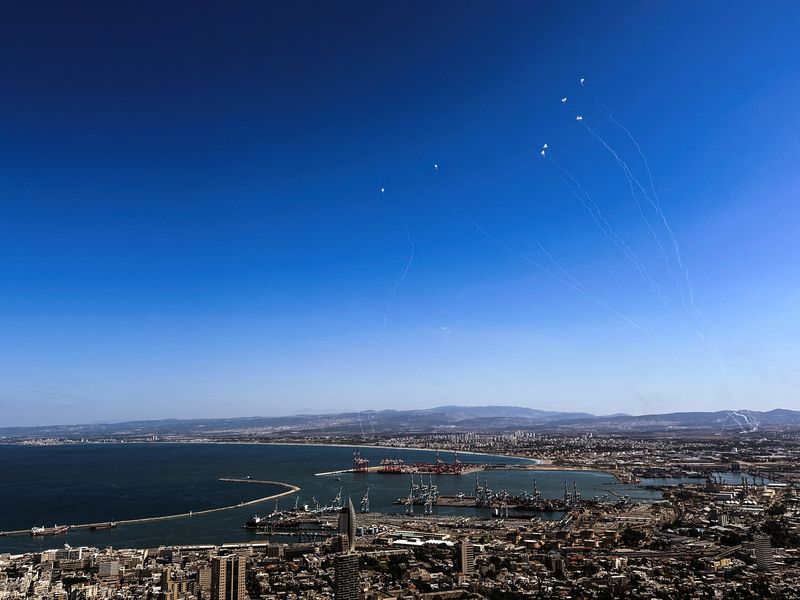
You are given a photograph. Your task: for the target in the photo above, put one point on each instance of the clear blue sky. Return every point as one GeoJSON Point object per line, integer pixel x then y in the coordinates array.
{"type": "Point", "coordinates": [191, 222]}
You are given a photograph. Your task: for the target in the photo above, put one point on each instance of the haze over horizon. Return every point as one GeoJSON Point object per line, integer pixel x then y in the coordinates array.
{"type": "Point", "coordinates": [568, 417]}
{"type": "Point", "coordinates": [192, 223]}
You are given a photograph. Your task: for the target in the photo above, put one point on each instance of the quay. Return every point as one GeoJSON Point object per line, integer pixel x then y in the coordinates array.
{"type": "Point", "coordinates": [620, 475]}
{"type": "Point", "coordinates": [411, 468]}
{"type": "Point", "coordinates": [466, 469]}
{"type": "Point", "coordinates": [334, 472]}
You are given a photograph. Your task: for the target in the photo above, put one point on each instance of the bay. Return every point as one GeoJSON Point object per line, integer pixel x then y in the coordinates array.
{"type": "Point", "coordinates": [87, 483]}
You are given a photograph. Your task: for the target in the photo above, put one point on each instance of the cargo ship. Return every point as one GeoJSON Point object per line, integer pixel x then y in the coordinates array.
{"type": "Point", "coordinates": [54, 530]}
{"type": "Point", "coordinates": [438, 467]}
{"type": "Point", "coordinates": [109, 525]}
{"type": "Point", "coordinates": [256, 522]}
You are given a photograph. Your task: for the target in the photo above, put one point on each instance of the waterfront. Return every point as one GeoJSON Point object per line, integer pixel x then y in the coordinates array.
{"type": "Point", "coordinates": [85, 483]}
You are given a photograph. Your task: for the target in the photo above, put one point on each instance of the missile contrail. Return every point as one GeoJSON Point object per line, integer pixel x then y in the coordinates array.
{"type": "Point", "coordinates": [400, 281]}
{"type": "Point", "coordinates": [571, 282]}
{"type": "Point", "coordinates": [609, 232]}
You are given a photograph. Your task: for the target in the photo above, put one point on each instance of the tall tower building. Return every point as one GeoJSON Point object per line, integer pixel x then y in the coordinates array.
{"type": "Point", "coordinates": [345, 565]}
{"type": "Point", "coordinates": [347, 525]}
{"type": "Point", "coordinates": [167, 589]}
{"type": "Point", "coordinates": [765, 559]}
{"type": "Point", "coordinates": [227, 578]}
{"type": "Point", "coordinates": [346, 572]}
{"type": "Point", "coordinates": [203, 583]}
{"type": "Point", "coordinates": [466, 557]}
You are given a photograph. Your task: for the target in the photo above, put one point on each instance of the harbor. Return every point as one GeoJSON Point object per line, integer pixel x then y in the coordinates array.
{"type": "Point", "coordinates": [202, 473]}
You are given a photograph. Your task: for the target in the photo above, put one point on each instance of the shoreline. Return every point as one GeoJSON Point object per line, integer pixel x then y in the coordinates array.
{"type": "Point", "coordinates": [254, 443]}
{"type": "Point", "coordinates": [384, 447]}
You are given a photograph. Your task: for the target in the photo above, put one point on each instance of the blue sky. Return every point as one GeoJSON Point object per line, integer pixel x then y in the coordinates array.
{"type": "Point", "coordinates": [191, 223]}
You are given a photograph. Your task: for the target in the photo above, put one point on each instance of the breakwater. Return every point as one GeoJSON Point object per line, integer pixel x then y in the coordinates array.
{"type": "Point", "coordinates": [290, 489]}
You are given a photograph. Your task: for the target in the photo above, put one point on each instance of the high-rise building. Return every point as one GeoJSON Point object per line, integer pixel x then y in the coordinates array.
{"type": "Point", "coordinates": [555, 562]}
{"type": "Point", "coordinates": [347, 525]}
{"type": "Point", "coordinates": [227, 578]}
{"type": "Point", "coordinates": [108, 568]}
{"type": "Point", "coordinates": [346, 573]}
{"type": "Point", "coordinates": [346, 570]}
{"type": "Point", "coordinates": [466, 557]}
{"type": "Point", "coordinates": [204, 582]}
{"type": "Point", "coordinates": [765, 560]}
{"type": "Point", "coordinates": [167, 590]}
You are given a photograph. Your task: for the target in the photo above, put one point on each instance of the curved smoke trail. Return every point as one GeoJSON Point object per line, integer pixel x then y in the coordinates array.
{"type": "Point", "coordinates": [609, 232]}
{"type": "Point", "coordinates": [571, 283]}
{"type": "Point", "coordinates": [400, 281]}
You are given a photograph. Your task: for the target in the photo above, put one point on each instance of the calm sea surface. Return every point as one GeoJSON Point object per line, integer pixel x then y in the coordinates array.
{"type": "Point", "coordinates": [86, 483]}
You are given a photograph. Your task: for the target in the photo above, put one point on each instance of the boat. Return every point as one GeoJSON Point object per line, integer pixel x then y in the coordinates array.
{"type": "Point", "coordinates": [256, 522]}
{"type": "Point", "coordinates": [109, 525]}
{"type": "Point", "coordinates": [54, 530]}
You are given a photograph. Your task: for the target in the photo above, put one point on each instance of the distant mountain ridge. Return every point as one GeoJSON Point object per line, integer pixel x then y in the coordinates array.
{"type": "Point", "coordinates": [441, 419]}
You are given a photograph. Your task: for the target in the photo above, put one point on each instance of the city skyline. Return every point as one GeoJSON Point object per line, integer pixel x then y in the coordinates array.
{"type": "Point", "coordinates": [193, 220]}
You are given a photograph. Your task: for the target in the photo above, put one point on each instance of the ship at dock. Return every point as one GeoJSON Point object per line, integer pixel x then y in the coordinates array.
{"type": "Point", "coordinates": [292, 517]}
{"type": "Point", "coordinates": [304, 522]}
{"type": "Point", "coordinates": [502, 503]}
{"type": "Point", "coordinates": [54, 530]}
{"type": "Point", "coordinates": [399, 466]}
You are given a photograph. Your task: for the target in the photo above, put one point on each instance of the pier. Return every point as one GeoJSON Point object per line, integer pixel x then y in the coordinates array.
{"type": "Point", "coordinates": [334, 472]}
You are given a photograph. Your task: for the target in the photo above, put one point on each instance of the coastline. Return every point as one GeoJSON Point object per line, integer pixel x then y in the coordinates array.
{"type": "Point", "coordinates": [384, 447]}
{"type": "Point", "coordinates": [256, 443]}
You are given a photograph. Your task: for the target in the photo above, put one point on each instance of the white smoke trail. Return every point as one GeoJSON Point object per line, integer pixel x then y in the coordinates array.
{"type": "Point", "coordinates": [655, 202]}
{"type": "Point", "coordinates": [638, 149]}
{"type": "Point", "coordinates": [609, 232]}
{"type": "Point", "coordinates": [399, 282]}
{"type": "Point", "coordinates": [571, 283]}
{"type": "Point", "coordinates": [634, 181]}
{"type": "Point", "coordinates": [653, 199]}
{"type": "Point", "coordinates": [686, 289]}
{"type": "Point", "coordinates": [630, 179]}
{"type": "Point", "coordinates": [572, 278]}
{"type": "Point", "coordinates": [703, 327]}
